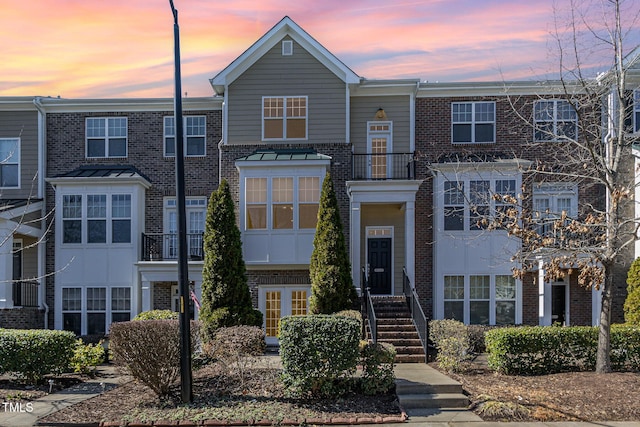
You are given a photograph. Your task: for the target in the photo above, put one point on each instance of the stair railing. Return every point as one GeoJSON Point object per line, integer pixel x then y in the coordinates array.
{"type": "Point", "coordinates": [417, 314]}
{"type": "Point", "coordinates": [368, 307]}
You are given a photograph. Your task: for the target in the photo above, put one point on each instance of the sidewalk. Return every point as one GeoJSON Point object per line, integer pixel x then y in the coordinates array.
{"type": "Point", "coordinates": [27, 415]}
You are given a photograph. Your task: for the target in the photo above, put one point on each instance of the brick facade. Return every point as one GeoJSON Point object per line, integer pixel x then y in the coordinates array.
{"type": "Point", "coordinates": [22, 318]}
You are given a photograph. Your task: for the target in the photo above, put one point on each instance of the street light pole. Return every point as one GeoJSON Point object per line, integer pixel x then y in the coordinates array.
{"type": "Point", "coordinates": [183, 264]}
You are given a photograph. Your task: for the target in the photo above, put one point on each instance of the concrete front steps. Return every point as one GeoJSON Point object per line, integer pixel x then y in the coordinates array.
{"type": "Point", "coordinates": [425, 393]}
{"type": "Point", "coordinates": [396, 327]}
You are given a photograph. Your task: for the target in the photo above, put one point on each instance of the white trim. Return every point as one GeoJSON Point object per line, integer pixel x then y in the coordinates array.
{"type": "Point", "coordinates": [384, 228]}
{"type": "Point", "coordinates": [567, 301]}
{"type": "Point", "coordinates": [287, 47]}
{"type": "Point", "coordinates": [285, 302]}
{"type": "Point", "coordinates": [284, 118]}
{"type": "Point", "coordinates": [388, 134]}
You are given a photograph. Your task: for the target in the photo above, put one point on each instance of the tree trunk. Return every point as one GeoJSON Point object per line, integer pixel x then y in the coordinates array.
{"type": "Point", "coordinates": [603, 361]}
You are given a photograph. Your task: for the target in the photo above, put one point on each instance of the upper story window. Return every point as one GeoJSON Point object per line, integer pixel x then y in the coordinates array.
{"type": "Point", "coordinates": [636, 110]}
{"type": "Point", "coordinates": [552, 202]}
{"type": "Point", "coordinates": [473, 122]}
{"type": "Point", "coordinates": [555, 120]}
{"type": "Point", "coordinates": [279, 203]}
{"type": "Point", "coordinates": [106, 218]}
{"type": "Point", "coordinates": [9, 162]}
{"type": "Point", "coordinates": [284, 117]}
{"type": "Point", "coordinates": [472, 204]}
{"type": "Point", "coordinates": [106, 137]}
{"type": "Point", "coordinates": [195, 136]}
{"type": "Point", "coordinates": [196, 212]}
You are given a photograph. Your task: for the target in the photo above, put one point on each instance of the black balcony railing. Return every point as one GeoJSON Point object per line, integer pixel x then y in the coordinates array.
{"type": "Point", "coordinates": [383, 166]}
{"type": "Point", "coordinates": [25, 293]}
{"type": "Point", "coordinates": [163, 247]}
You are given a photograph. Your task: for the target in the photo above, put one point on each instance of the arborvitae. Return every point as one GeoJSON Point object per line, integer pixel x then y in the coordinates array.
{"type": "Point", "coordinates": [226, 299]}
{"type": "Point", "coordinates": [632, 303]}
{"type": "Point", "coordinates": [332, 287]}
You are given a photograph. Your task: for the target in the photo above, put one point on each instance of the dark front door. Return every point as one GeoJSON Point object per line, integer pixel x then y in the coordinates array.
{"type": "Point", "coordinates": [558, 304]}
{"type": "Point", "coordinates": [379, 261]}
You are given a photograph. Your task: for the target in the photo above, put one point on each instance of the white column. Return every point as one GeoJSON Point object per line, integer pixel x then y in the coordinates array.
{"type": "Point", "coordinates": [410, 240]}
{"type": "Point", "coordinates": [596, 306]}
{"type": "Point", "coordinates": [6, 265]}
{"type": "Point", "coordinates": [354, 227]}
{"type": "Point", "coordinates": [544, 297]}
{"type": "Point", "coordinates": [147, 295]}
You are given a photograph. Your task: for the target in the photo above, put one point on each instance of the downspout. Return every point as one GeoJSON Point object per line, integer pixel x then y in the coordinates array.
{"type": "Point", "coordinates": [42, 155]}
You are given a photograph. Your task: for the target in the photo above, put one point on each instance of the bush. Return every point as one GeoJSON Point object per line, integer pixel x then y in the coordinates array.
{"type": "Point", "coordinates": [451, 339]}
{"type": "Point", "coordinates": [32, 354]}
{"type": "Point", "coordinates": [150, 350]}
{"type": "Point", "coordinates": [354, 314]}
{"type": "Point", "coordinates": [87, 356]}
{"type": "Point", "coordinates": [377, 367]}
{"type": "Point", "coordinates": [157, 315]}
{"type": "Point", "coordinates": [632, 303]}
{"type": "Point", "coordinates": [625, 347]}
{"type": "Point", "coordinates": [319, 354]}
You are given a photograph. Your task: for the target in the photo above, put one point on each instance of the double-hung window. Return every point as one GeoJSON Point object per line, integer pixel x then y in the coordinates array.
{"type": "Point", "coordinates": [9, 162]}
{"type": "Point", "coordinates": [106, 137]}
{"type": "Point", "coordinates": [284, 117]}
{"type": "Point", "coordinates": [636, 110]}
{"type": "Point", "coordinates": [479, 199]}
{"type": "Point", "coordinates": [195, 136]}
{"type": "Point", "coordinates": [106, 218]}
{"type": "Point", "coordinates": [96, 311]}
{"type": "Point", "coordinates": [72, 218]}
{"type": "Point", "coordinates": [473, 122]}
{"type": "Point", "coordinates": [120, 304]}
{"type": "Point", "coordinates": [554, 120]}
{"type": "Point", "coordinates": [480, 299]}
{"type": "Point", "coordinates": [454, 205]}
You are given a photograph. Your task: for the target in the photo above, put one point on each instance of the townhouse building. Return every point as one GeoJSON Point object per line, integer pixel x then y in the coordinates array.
{"type": "Point", "coordinates": [415, 166]}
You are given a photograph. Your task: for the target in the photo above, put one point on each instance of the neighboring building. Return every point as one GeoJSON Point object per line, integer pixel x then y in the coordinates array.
{"type": "Point", "coordinates": [415, 166]}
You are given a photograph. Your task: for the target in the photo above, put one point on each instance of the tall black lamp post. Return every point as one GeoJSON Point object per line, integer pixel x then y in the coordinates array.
{"type": "Point", "coordinates": [183, 264]}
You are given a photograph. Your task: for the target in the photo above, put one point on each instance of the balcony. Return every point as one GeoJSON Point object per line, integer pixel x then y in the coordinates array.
{"type": "Point", "coordinates": [25, 293]}
{"type": "Point", "coordinates": [383, 166]}
{"type": "Point", "coordinates": [164, 247]}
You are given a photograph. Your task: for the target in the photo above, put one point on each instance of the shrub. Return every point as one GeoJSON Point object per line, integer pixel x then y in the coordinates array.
{"type": "Point", "coordinates": [354, 314]}
{"type": "Point", "coordinates": [32, 354]}
{"type": "Point", "coordinates": [377, 367]}
{"type": "Point", "coordinates": [157, 315]}
{"type": "Point", "coordinates": [632, 303]}
{"type": "Point", "coordinates": [87, 356]}
{"type": "Point", "coordinates": [625, 347]}
{"type": "Point", "coordinates": [451, 339]}
{"type": "Point", "coordinates": [319, 354]}
{"type": "Point", "coordinates": [150, 350]}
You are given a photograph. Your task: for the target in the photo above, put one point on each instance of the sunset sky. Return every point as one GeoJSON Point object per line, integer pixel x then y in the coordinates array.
{"type": "Point", "coordinates": [124, 48]}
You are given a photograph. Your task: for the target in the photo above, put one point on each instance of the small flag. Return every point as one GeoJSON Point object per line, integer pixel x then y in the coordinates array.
{"type": "Point", "coordinates": [195, 299]}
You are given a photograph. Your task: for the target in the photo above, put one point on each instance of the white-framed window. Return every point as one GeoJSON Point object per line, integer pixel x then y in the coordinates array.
{"type": "Point", "coordinates": [551, 202]}
{"type": "Point", "coordinates": [120, 304]}
{"type": "Point", "coordinates": [72, 310]}
{"type": "Point", "coordinates": [90, 310]}
{"type": "Point", "coordinates": [9, 162]}
{"type": "Point", "coordinates": [636, 110]}
{"type": "Point", "coordinates": [472, 203]}
{"type": "Point", "coordinates": [481, 299]}
{"type": "Point", "coordinates": [284, 117]}
{"type": "Point", "coordinates": [106, 137]}
{"type": "Point", "coordinates": [106, 218]}
{"type": "Point", "coordinates": [196, 212]}
{"type": "Point", "coordinates": [195, 136]}
{"type": "Point", "coordinates": [281, 202]}
{"type": "Point", "coordinates": [473, 122]}
{"type": "Point", "coordinates": [96, 311]}
{"type": "Point", "coordinates": [554, 120]}
{"type": "Point", "coordinates": [287, 47]}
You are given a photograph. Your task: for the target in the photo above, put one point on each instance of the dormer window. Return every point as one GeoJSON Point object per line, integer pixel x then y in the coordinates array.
{"type": "Point", "coordinates": [287, 47]}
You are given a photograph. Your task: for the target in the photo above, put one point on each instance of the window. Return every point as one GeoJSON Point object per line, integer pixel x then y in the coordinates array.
{"type": "Point", "coordinates": [293, 202]}
{"type": "Point", "coordinates": [454, 297]}
{"type": "Point", "coordinates": [505, 300]}
{"type": "Point", "coordinates": [473, 122]}
{"type": "Point", "coordinates": [120, 304]}
{"type": "Point", "coordinates": [106, 218]}
{"type": "Point", "coordinates": [72, 310]}
{"type": "Point", "coordinates": [555, 120]}
{"type": "Point", "coordinates": [284, 117]}
{"type": "Point", "coordinates": [96, 310]}
{"type": "Point", "coordinates": [636, 110]}
{"type": "Point", "coordinates": [287, 47]}
{"type": "Point", "coordinates": [479, 296]}
{"type": "Point", "coordinates": [195, 132]}
{"type": "Point", "coordinates": [196, 210]}
{"type": "Point", "coordinates": [9, 162]}
{"type": "Point", "coordinates": [552, 202]}
{"type": "Point", "coordinates": [485, 199]}
{"type": "Point", "coordinates": [71, 219]}
{"type": "Point", "coordinates": [106, 137]}
{"type": "Point", "coordinates": [454, 205]}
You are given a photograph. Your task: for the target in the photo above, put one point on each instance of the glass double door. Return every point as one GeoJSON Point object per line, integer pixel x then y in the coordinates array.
{"type": "Point", "coordinates": [277, 302]}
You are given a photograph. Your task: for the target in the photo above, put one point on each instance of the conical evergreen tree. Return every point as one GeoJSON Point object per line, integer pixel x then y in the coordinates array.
{"type": "Point", "coordinates": [226, 300]}
{"type": "Point", "coordinates": [332, 287]}
{"type": "Point", "coordinates": [632, 303]}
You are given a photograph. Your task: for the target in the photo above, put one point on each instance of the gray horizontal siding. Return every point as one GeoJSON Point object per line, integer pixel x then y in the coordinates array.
{"type": "Point", "coordinates": [23, 125]}
{"type": "Point", "coordinates": [397, 108]}
{"type": "Point", "coordinates": [297, 75]}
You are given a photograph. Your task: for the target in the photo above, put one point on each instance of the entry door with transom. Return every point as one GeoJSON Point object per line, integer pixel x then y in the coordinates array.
{"type": "Point", "coordinates": [379, 260]}
{"type": "Point", "coordinates": [277, 302]}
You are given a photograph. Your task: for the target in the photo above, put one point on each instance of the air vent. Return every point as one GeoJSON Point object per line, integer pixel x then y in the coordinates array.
{"type": "Point", "coordinates": [287, 47]}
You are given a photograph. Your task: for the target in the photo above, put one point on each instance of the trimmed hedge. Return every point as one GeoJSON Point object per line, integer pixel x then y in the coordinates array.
{"type": "Point", "coordinates": [451, 338]}
{"type": "Point", "coordinates": [377, 367]}
{"type": "Point", "coordinates": [537, 350]}
{"type": "Point", "coordinates": [32, 354]}
{"type": "Point", "coordinates": [157, 315]}
{"type": "Point", "coordinates": [319, 354]}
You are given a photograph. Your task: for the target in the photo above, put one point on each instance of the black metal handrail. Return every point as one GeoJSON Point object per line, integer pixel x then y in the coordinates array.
{"type": "Point", "coordinates": [25, 293]}
{"type": "Point", "coordinates": [368, 307]}
{"type": "Point", "coordinates": [162, 247]}
{"type": "Point", "coordinates": [417, 314]}
{"type": "Point", "coordinates": [372, 166]}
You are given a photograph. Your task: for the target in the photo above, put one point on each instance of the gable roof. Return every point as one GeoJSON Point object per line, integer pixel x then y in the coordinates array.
{"type": "Point", "coordinates": [286, 27]}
